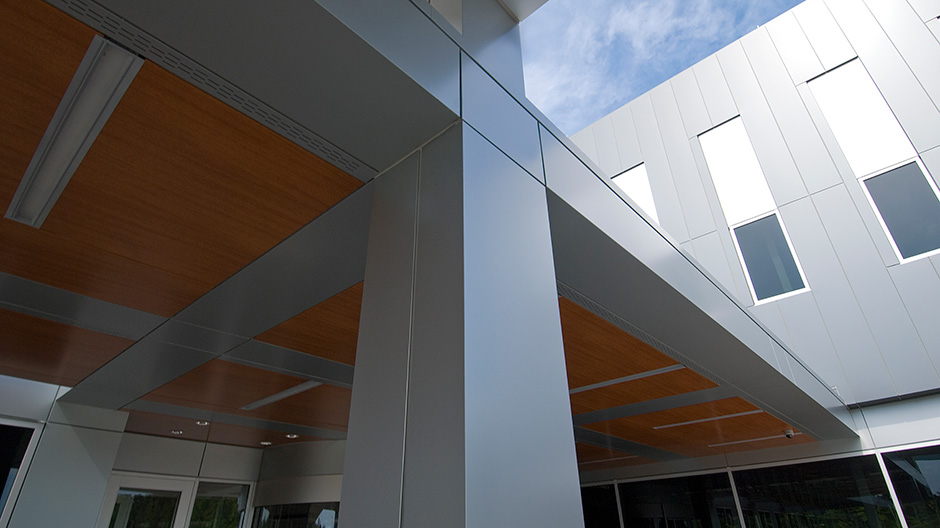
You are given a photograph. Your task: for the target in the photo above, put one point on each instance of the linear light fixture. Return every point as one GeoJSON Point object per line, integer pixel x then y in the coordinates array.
{"type": "Point", "coordinates": [711, 419]}
{"type": "Point", "coordinates": [98, 85]}
{"type": "Point", "coordinates": [297, 389]}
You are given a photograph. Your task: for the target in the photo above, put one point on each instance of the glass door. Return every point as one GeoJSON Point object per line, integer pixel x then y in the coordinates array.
{"type": "Point", "coordinates": [146, 502]}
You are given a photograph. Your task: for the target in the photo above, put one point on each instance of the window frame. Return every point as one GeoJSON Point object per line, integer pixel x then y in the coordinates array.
{"type": "Point", "coordinates": [747, 275]}
{"type": "Point", "coordinates": [884, 226]}
{"type": "Point", "coordinates": [7, 510]}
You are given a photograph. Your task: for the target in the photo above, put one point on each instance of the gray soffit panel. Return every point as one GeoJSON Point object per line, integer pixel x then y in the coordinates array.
{"type": "Point", "coordinates": [400, 32]}
{"type": "Point", "coordinates": [610, 255]}
{"type": "Point", "coordinates": [587, 436]}
{"type": "Point", "coordinates": [143, 367]}
{"type": "Point", "coordinates": [659, 404]}
{"type": "Point", "coordinates": [299, 60]}
{"type": "Point", "coordinates": [320, 260]}
{"type": "Point", "coordinates": [286, 361]}
{"type": "Point", "coordinates": [232, 419]}
{"type": "Point", "coordinates": [62, 306]}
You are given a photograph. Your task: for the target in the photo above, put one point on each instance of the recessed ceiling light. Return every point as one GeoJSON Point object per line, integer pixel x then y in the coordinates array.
{"type": "Point", "coordinates": [265, 443]}
{"type": "Point", "coordinates": [291, 436]}
{"type": "Point", "coordinates": [176, 432]}
{"type": "Point", "coordinates": [96, 88]}
{"type": "Point", "coordinates": [202, 423]}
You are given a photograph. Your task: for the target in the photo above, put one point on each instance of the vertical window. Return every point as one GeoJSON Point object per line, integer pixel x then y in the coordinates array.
{"type": "Point", "coordinates": [898, 186]}
{"type": "Point", "coordinates": [635, 183]}
{"type": "Point", "coordinates": [14, 447]}
{"type": "Point", "coordinates": [766, 253]}
{"type": "Point", "coordinates": [760, 238]}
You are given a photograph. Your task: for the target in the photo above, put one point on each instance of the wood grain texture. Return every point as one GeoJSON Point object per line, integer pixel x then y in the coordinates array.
{"type": "Point", "coordinates": [177, 193]}
{"type": "Point", "coordinates": [42, 48]}
{"type": "Point", "coordinates": [651, 388]}
{"type": "Point", "coordinates": [180, 181]}
{"type": "Point", "coordinates": [154, 424]}
{"type": "Point", "coordinates": [694, 439]}
{"type": "Point", "coordinates": [597, 351]}
{"type": "Point", "coordinates": [51, 352]}
{"type": "Point", "coordinates": [329, 330]}
{"type": "Point", "coordinates": [223, 386]}
{"type": "Point", "coordinates": [220, 433]}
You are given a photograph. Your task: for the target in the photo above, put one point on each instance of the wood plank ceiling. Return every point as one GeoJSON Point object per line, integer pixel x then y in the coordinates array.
{"type": "Point", "coordinates": [178, 193]}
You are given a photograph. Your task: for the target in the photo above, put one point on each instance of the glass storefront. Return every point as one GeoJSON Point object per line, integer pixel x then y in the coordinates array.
{"type": "Point", "coordinates": [915, 474]}
{"type": "Point", "coordinates": [850, 492]}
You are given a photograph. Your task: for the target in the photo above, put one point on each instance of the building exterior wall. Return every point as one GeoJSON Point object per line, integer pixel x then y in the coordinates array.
{"type": "Point", "coordinates": [867, 323]}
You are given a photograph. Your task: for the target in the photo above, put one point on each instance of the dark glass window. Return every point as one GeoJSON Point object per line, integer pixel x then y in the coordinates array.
{"type": "Point", "coordinates": [600, 507]}
{"type": "Point", "coordinates": [313, 515]}
{"type": "Point", "coordinates": [767, 257]}
{"type": "Point", "coordinates": [909, 208]}
{"type": "Point", "coordinates": [13, 444]}
{"type": "Point", "coordinates": [219, 505]}
{"type": "Point", "coordinates": [848, 493]}
{"type": "Point", "coordinates": [702, 501]}
{"type": "Point", "coordinates": [915, 474]}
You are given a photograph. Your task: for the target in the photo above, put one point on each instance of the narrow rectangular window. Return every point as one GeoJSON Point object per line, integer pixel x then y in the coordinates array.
{"type": "Point", "coordinates": [909, 208]}
{"type": "Point", "coordinates": [766, 254]}
{"type": "Point", "coordinates": [883, 159]}
{"type": "Point", "coordinates": [768, 258]}
{"type": "Point", "coordinates": [635, 182]}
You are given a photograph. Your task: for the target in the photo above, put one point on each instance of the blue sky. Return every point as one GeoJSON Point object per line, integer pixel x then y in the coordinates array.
{"type": "Point", "coordinates": [585, 58]}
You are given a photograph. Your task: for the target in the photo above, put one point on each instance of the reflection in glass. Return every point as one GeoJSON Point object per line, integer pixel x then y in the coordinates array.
{"type": "Point", "coordinates": [313, 515]}
{"type": "Point", "coordinates": [702, 501]}
{"type": "Point", "coordinates": [909, 207]}
{"type": "Point", "coordinates": [144, 509]}
{"type": "Point", "coordinates": [600, 507]}
{"type": "Point", "coordinates": [767, 257]}
{"type": "Point", "coordinates": [849, 492]}
{"type": "Point", "coordinates": [219, 505]}
{"type": "Point", "coordinates": [13, 444]}
{"type": "Point", "coordinates": [915, 474]}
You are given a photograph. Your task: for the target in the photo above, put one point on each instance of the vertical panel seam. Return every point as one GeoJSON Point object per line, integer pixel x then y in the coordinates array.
{"type": "Point", "coordinates": [855, 297]}
{"type": "Point", "coordinates": [411, 319]}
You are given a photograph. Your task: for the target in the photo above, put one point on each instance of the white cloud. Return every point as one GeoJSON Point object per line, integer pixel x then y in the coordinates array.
{"type": "Point", "coordinates": [585, 58]}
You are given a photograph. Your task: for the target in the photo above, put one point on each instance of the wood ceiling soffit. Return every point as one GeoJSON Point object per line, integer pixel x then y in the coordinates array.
{"type": "Point", "coordinates": [51, 352]}
{"type": "Point", "coordinates": [643, 389]}
{"type": "Point", "coordinates": [226, 387]}
{"type": "Point", "coordinates": [223, 385]}
{"type": "Point", "coordinates": [693, 439]}
{"type": "Point", "coordinates": [597, 351]}
{"type": "Point", "coordinates": [42, 49]}
{"type": "Point", "coordinates": [329, 330]}
{"type": "Point", "coordinates": [182, 182]}
{"type": "Point", "coordinates": [147, 423]}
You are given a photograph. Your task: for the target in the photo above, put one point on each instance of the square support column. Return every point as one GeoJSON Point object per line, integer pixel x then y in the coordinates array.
{"type": "Point", "coordinates": [460, 412]}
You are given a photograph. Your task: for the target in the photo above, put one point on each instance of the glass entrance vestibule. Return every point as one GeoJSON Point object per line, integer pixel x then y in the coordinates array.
{"type": "Point", "coordinates": [884, 489]}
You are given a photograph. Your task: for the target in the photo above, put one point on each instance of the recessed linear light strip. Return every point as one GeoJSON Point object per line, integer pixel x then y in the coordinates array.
{"type": "Point", "coordinates": [712, 419]}
{"type": "Point", "coordinates": [297, 389]}
{"type": "Point", "coordinates": [641, 375]}
{"type": "Point", "coordinates": [755, 439]}
{"type": "Point", "coordinates": [103, 76]}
